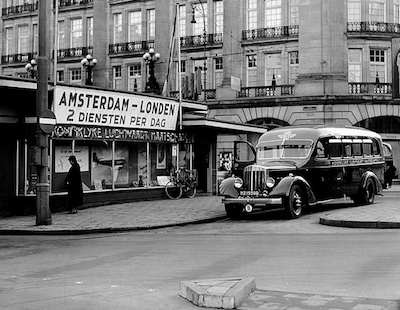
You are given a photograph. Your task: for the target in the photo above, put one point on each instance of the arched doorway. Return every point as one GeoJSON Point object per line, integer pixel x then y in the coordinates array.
{"type": "Point", "coordinates": [389, 128]}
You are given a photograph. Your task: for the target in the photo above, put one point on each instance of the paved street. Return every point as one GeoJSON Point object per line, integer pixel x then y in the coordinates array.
{"type": "Point", "coordinates": [166, 218]}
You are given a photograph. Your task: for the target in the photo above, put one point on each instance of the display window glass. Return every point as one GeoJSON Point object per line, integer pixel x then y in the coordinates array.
{"type": "Point", "coordinates": [109, 165]}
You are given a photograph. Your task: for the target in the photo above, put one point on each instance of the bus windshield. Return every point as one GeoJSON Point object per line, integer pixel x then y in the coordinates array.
{"type": "Point", "coordinates": [279, 149]}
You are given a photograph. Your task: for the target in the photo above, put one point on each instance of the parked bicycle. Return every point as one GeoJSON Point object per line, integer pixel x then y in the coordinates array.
{"type": "Point", "coordinates": [183, 181]}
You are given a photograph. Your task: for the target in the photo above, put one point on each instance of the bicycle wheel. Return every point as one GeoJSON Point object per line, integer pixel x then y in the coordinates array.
{"type": "Point", "coordinates": [173, 190]}
{"type": "Point", "coordinates": [191, 190]}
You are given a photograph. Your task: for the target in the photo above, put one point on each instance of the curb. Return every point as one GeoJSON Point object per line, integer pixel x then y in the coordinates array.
{"type": "Point", "coordinates": [105, 229]}
{"type": "Point", "coordinates": [359, 224]}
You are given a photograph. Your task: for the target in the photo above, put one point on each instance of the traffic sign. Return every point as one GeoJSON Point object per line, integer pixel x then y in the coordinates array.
{"type": "Point", "coordinates": [47, 121]}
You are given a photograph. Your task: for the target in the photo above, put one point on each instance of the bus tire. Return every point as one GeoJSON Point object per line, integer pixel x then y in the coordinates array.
{"type": "Point", "coordinates": [294, 202]}
{"type": "Point", "coordinates": [366, 195]}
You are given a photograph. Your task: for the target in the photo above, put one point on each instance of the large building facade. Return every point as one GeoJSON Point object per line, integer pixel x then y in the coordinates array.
{"type": "Point", "coordinates": [261, 62]}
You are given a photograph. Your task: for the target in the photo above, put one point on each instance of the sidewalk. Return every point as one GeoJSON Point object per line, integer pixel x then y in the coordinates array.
{"type": "Point", "coordinates": [122, 217]}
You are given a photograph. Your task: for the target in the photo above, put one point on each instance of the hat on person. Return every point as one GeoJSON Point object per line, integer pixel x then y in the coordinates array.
{"type": "Point", "coordinates": [72, 158]}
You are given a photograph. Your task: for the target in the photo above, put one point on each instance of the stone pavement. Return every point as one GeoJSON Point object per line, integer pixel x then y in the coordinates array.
{"type": "Point", "coordinates": [206, 208]}
{"type": "Point", "coordinates": [122, 217]}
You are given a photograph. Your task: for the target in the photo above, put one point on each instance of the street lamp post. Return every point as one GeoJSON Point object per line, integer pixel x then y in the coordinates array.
{"type": "Point", "coordinates": [193, 21]}
{"type": "Point", "coordinates": [89, 63]}
{"type": "Point", "coordinates": [151, 57]}
{"type": "Point", "coordinates": [31, 68]}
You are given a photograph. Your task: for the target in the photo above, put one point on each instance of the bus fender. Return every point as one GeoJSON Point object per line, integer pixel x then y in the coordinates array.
{"type": "Point", "coordinates": [227, 188]}
{"type": "Point", "coordinates": [284, 186]}
{"type": "Point", "coordinates": [370, 175]}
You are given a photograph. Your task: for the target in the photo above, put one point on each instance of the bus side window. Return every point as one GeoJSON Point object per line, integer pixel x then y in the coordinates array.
{"type": "Point", "coordinates": [320, 150]}
{"type": "Point", "coordinates": [335, 150]}
{"type": "Point", "coordinates": [375, 148]}
{"type": "Point", "coordinates": [367, 149]}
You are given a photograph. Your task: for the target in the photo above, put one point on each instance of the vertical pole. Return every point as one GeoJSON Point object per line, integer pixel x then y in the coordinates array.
{"type": "Point", "coordinates": [43, 216]}
{"type": "Point", "coordinates": [178, 39]}
{"type": "Point", "coordinates": [55, 40]}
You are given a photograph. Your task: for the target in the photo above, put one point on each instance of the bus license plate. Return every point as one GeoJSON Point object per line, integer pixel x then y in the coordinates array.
{"type": "Point", "coordinates": [249, 193]}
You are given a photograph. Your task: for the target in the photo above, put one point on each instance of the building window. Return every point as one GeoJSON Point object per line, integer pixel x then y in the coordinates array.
{"type": "Point", "coordinates": [135, 26]}
{"type": "Point", "coordinates": [251, 61]}
{"type": "Point", "coordinates": [118, 28]}
{"type": "Point", "coordinates": [251, 14]}
{"type": "Point", "coordinates": [355, 65]}
{"type": "Point", "coordinates": [273, 69]}
{"type": "Point", "coordinates": [377, 11]}
{"type": "Point", "coordinates": [293, 66]}
{"type": "Point", "coordinates": [75, 76]}
{"type": "Point", "coordinates": [35, 38]}
{"type": "Point", "coordinates": [200, 14]}
{"type": "Point", "coordinates": [181, 76]}
{"type": "Point", "coordinates": [61, 35]}
{"type": "Point", "coordinates": [294, 12]}
{"type": "Point", "coordinates": [218, 16]}
{"type": "Point", "coordinates": [117, 77]}
{"type": "Point", "coordinates": [218, 71]}
{"type": "Point", "coordinates": [273, 13]}
{"type": "Point", "coordinates": [397, 11]}
{"type": "Point", "coordinates": [151, 24]}
{"type": "Point", "coordinates": [60, 76]}
{"type": "Point", "coordinates": [9, 41]}
{"type": "Point", "coordinates": [354, 11]}
{"type": "Point", "coordinates": [135, 77]}
{"type": "Point", "coordinates": [377, 66]}
{"type": "Point", "coordinates": [182, 20]}
{"type": "Point", "coordinates": [251, 79]}
{"type": "Point", "coordinates": [23, 39]}
{"type": "Point", "coordinates": [76, 32]}
{"type": "Point", "coordinates": [89, 31]}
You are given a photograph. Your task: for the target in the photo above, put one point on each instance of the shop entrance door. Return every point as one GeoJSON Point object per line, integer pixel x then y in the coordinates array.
{"type": "Point", "coordinates": [201, 162]}
{"type": "Point", "coordinates": [7, 171]}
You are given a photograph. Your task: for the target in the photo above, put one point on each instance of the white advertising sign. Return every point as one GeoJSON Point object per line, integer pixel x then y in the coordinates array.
{"type": "Point", "coordinates": [235, 83]}
{"type": "Point", "coordinates": [78, 106]}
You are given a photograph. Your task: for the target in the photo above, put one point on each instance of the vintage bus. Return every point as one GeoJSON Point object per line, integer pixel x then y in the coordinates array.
{"type": "Point", "coordinates": [297, 167]}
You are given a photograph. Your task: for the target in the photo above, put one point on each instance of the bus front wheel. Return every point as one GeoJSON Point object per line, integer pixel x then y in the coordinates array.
{"type": "Point", "coordinates": [294, 202]}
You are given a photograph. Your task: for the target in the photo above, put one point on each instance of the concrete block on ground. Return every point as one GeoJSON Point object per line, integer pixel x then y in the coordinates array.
{"type": "Point", "coordinates": [217, 293]}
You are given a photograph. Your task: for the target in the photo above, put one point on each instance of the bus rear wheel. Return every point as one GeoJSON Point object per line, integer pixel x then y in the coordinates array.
{"type": "Point", "coordinates": [366, 195]}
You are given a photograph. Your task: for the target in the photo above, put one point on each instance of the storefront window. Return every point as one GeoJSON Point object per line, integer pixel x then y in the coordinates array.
{"type": "Point", "coordinates": [115, 164]}
{"type": "Point", "coordinates": [104, 171]}
{"type": "Point", "coordinates": [61, 150]}
{"type": "Point", "coordinates": [27, 175]}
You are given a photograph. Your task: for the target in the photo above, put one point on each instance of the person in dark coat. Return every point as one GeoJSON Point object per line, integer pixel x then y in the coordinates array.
{"type": "Point", "coordinates": [74, 185]}
{"type": "Point", "coordinates": [389, 175]}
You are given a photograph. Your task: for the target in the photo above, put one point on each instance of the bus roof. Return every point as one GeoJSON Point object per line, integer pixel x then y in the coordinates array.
{"type": "Point", "coordinates": [313, 133]}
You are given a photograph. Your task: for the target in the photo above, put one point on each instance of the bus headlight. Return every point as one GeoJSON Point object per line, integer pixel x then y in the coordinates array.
{"type": "Point", "coordinates": [270, 182]}
{"type": "Point", "coordinates": [238, 183]}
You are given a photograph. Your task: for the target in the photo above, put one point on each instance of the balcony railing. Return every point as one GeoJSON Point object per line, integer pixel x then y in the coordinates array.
{"type": "Point", "coordinates": [130, 47]}
{"type": "Point", "coordinates": [20, 9]}
{"type": "Point", "coordinates": [17, 58]}
{"type": "Point", "coordinates": [266, 91]}
{"type": "Point", "coordinates": [64, 3]}
{"type": "Point", "coordinates": [211, 94]}
{"type": "Point", "coordinates": [74, 52]}
{"type": "Point", "coordinates": [201, 40]}
{"type": "Point", "coordinates": [374, 27]}
{"type": "Point", "coordinates": [273, 32]}
{"type": "Point", "coordinates": [370, 88]}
